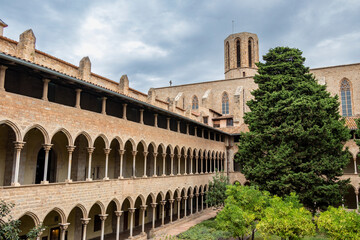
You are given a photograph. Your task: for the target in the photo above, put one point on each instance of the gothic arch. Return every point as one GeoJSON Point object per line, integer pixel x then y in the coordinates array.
{"type": "Point", "coordinates": [14, 127]}
{"type": "Point", "coordinates": [87, 136]}
{"type": "Point", "coordinates": [67, 134]}
{"type": "Point", "coordinates": [225, 103]}
{"type": "Point", "coordinates": [42, 130]}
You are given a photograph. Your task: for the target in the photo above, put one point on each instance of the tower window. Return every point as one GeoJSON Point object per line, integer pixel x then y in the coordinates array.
{"type": "Point", "coordinates": [238, 54]}
{"type": "Point", "coordinates": [250, 53]}
{"type": "Point", "coordinates": [346, 98]}
{"type": "Point", "coordinates": [225, 103]}
{"type": "Point", "coordinates": [227, 58]}
{"type": "Point", "coordinates": [195, 103]}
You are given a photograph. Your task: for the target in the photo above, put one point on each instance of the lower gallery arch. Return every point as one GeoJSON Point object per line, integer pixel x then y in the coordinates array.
{"type": "Point", "coordinates": [94, 226]}
{"type": "Point", "coordinates": [75, 229]}
{"type": "Point", "coordinates": [27, 222]}
{"type": "Point", "coordinates": [350, 198]}
{"type": "Point", "coordinates": [52, 222]}
{"type": "Point", "coordinates": [7, 149]}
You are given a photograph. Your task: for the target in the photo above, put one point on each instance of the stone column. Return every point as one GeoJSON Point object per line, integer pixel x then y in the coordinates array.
{"type": "Point", "coordinates": [172, 164]}
{"type": "Point", "coordinates": [134, 160]}
{"type": "Point", "coordinates": [191, 203]}
{"type": "Point", "coordinates": [2, 77]}
{"type": "Point", "coordinates": [185, 205]}
{"type": "Point", "coordinates": [70, 150]}
{"type": "Point", "coordinates": [206, 164]}
{"type": "Point", "coordinates": [143, 209]}
{"type": "Point", "coordinates": [155, 120]}
{"type": "Point", "coordinates": [178, 126]}
{"type": "Point", "coordinates": [153, 205]}
{"type": "Point", "coordinates": [18, 147]}
{"type": "Point", "coordinates": [141, 116]}
{"type": "Point", "coordinates": [218, 164]}
{"type": "Point", "coordinates": [63, 228]}
{"type": "Point", "coordinates": [45, 89]}
{"type": "Point", "coordinates": [103, 107]}
{"type": "Point", "coordinates": [103, 218]}
{"type": "Point", "coordinates": [355, 166]}
{"type": "Point", "coordinates": [179, 170]}
{"type": "Point", "coordinates": [84, 222]}
{"type": "Point", "coordinates": [121, 152]}
{"type": "Point", "coordinates": [178, 199]}
{"type": "Point", "coordinates": [214, 164]}
{"type": "Point", "coordinates": [185, 157]}
{"type": "Point", "coordinates": [47, 148]}
{"type": "Point", "coordinates": [202, 164]}
{"type": "Point", "coordinates": [162, 212]}
{"type": "Point", "coordinates": [78, 98]}
{"type": "Point", "coordinates": [210, 158]}
{"type": "Point", "coordinates": [202, 133]}
{"type": "Point", "coordinates": [124, 111]}
{"type": "Point", "coordinates": [202, 201]}
{"type": "Point", "coordinates": [164, 159]}
{"type": "Point", "coordinates": [195, 133]}
{"type": "Point", "coordinates": [171, 201]}
{"type": "Point", "coordinates": [145, 155]}
{"type": "Point", "coordinates": [357, 198]}
{"type": "Point", "coordinates": [155, 155]}
{"type": "Point", "coordinates": [191, 164]}
{"type": "Point", "coordinates": [107, 152]}
{"type": "Point", "coordinates": [187, 129]}
{"type": "Point", "coordinates": [197, 164]}
{"type": "Point", "coordinates": [168, 123]}
{"type": "Point", "coordinates": [197, 202]}
{"type": "Point", "coordinates": [131, 211]}
{"type": "Point", "coordinates": [90, 152]}
{"type": "Point", "coordinates": [118, 215]}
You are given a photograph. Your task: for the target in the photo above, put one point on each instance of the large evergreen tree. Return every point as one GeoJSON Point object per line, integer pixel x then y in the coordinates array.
{"type": "Point", "coordinates": [296, 137]}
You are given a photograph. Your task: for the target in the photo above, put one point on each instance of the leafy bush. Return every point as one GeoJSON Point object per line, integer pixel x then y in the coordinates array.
{"type": "Point", "coordinates": [217, 187]}
{"type": "Point", "coordinates": [339, 223]}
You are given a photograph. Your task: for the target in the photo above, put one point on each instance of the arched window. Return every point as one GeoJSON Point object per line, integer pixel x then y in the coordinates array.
{"type": "Point", "coordinates": [250, 52]}
{"type": "Point", "coordinates": [225, 103]}
{"type": "Point", "coordinates": [195, 103]}
{"type": "Point", "coordinates": [346, 98]}
{"type": "Point", "coordinates": [227, 56]}
{"type": "Point", "coordinates": [238, 54]}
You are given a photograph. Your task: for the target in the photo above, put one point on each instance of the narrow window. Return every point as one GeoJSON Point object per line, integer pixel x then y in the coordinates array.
{"type": "Point", "coordinates": [227, 55]}
{"type": "Point", "coordinates": [195, 103]}
{"type": "Point", "coordinates": [225, 103]}
{"type": "Point", "coordinates": [238, 56]}
{"type": "Point", "coordinates": [250, 53]}
{"type": "Point", "coordinates": [346, 98]}
{"type": "Point", "coordinates": [206, 120]}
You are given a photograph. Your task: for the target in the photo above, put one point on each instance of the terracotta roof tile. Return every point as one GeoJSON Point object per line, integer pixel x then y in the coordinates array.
{"type": "Point", "coordinates": [350, 122]}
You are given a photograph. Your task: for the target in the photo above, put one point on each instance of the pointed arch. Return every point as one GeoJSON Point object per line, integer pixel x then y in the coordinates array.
{"type": "Point", "coordinates": [101, 205]}
{"type": "Point", "coordinates": [153, 197]}
{"type": "Point", "coordinates": [60, 212]}
{"type": "Point", "coordinates": [227, 56]}
{"type": "Point", "coordinates": [170, 148]}
{"type": "Point", "coordinates": [195, 103]}
{"type": "Point", "coordinates": [33, 216]}
{"type": "Point", "coordinates": [82, 209]}
{"type": "Point", "coordinates": [103, 137]}
{"type": "Point", "coordinates": [117, 204]}
{"type": "Point", "coordinates": [238, 53]}
{"type": "Point", "coordinates": [250, 51]}
{"type": "Point", "coordinates": [132, 143]}
{"type": "Point", "coordinates": [346, 97]}
{"type": "Point", "coordinates": [67, 134]}
{"type": "Point", "coordinates": [225, 103]}
{"type": "Point", "coordinates": [42, 130]}
{"type": "Point", "coordinates": [131, 201]}
{"type": "Point", "coordinates": [143, 143]}
{"type": "Point", "coordinates": [118, 139]}
{"type": "Point", "coordinates": [14, 127]}
{"type": "Point", "coordinates": [162, 147]}
{"type": "Point", "coordinates": [87, 136]}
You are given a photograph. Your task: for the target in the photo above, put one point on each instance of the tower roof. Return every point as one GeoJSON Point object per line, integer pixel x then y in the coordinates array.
{"type": "Point", "coordinates": [2, 23]}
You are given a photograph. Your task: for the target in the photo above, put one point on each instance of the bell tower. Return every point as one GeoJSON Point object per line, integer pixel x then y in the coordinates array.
{"type": "Point", "coordinates": [241, 52]}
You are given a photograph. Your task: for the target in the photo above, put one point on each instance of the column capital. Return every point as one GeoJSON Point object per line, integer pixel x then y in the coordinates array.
{"type": "Point", "coordinates": [153, 205]}
{"type": "Point", "coordinates": [104, 98]}
{"type": "Point", "coordinates": [179, 155]}
{"type": "Point", "coordinates": [85, 221]}
{"type": "Point", "coordinates": [103, 216]}
{"type": "Point", "coordinates": [185, 156]}
{"type": "Point", "coordinates": [124, 104]}
{"type": "Point", "coordinates": [78, 90]}
{"type": "Point", "coordinates": [107, 150]}
{"type": "Point", "coordinates": [178, 199]}
{"type": "Point", "coordinates": [118, 213]}
{"type": "Point", "coordinates": [202, 194]}
{"type": "Point", "coordinates": [171, 201]}
{"type": "Point", "coordinates": [143, 207]}
{"type": "Point", "coordinates": [196, 194]}
{"type": "Point", "coordinates": [19, 145]}
{"type": "Point", "coordinates": [121, 151]}
{"type": "Point", "coordinates": [163, 202]}
{"type": "Point", "coordinates": [201, 157]}
{"type": "Point", "coordinates": [47, 147]}
{"type": "Point", "coordinates": [2, 67]}
{"type": "Point", "coordinates": [172, 155]}
{"type": "Point", "coordinates": [46, 80]}
{"type": "Point", "coordinates": [141, 110]}
{"type": "Point", "coordinates": [357, 191]}
{"type": "Point", "coordinates": [155, 154]}
{"type": "Point", "coordinates": [185, 197]}
{"type": "Point", "coordinates": [196, 157]}
{"type": "Point", "coordinates": [134, 153]}
{"type": "Point", "coordinates": [163, 155]}
{"type": "Point", "coordinates": [90, 149]}
{"type": "Point", "coordinates": [191, 195]}
{"type": "Point", "coordinates": [70, 149]}
{"type": "Point", "coordinates": [155, 114]}
{"type": "Point", "coordinates": [64, 226]}
{"type": "Point", "coordinates": [206, 157]}
{"type": "Point", "coordinates": [145, 154]}
{"type": "Point", "coordinates": [132, 210]}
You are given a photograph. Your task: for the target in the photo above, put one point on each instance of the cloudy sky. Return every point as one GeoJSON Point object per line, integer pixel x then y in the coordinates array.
{"type": "Point", "coordinates": [157, 41]}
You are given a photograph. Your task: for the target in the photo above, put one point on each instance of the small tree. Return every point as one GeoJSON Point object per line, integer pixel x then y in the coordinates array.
{"type": "Point", "coordinates": [296, 139]}
{"type": "Point", "coordinates": [339, 224]}
{"type": "Point", "coordinates": [244, 206]}
{"type": "Point", "coordinates": [216, 196]}
{"type": "Point", "coordinates": [9, 228]}
{"type": "Point", "coordinates": [286, 218]}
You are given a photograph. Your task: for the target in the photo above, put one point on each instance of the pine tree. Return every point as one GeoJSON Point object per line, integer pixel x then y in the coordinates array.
{"type": "Point", "coordinates": [296, 137]}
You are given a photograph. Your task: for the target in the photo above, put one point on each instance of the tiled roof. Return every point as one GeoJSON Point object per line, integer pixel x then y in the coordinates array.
{"type": "Point", "coordinates": [2, 23]}
{"type": "Point", "coordinates": [350, 122]}
{"type": "Point", "coordinates": [236, 130]}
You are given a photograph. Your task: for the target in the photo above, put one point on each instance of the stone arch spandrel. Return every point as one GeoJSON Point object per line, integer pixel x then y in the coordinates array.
{"type": "Point", "coordinates": [33, 216]}
{"type": "Point", "coordinates": [82, 209]}
{"type": "Point", "coordinates": [103, 137]}
{"type": "Point", "coordinates": [42, 130]}
{"type": "Point", "coordinates": [59, 211]}
{"type": "Point", "coordinates": [87, 136]}
{"type": "Point", "coordinates": [67, 134]}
